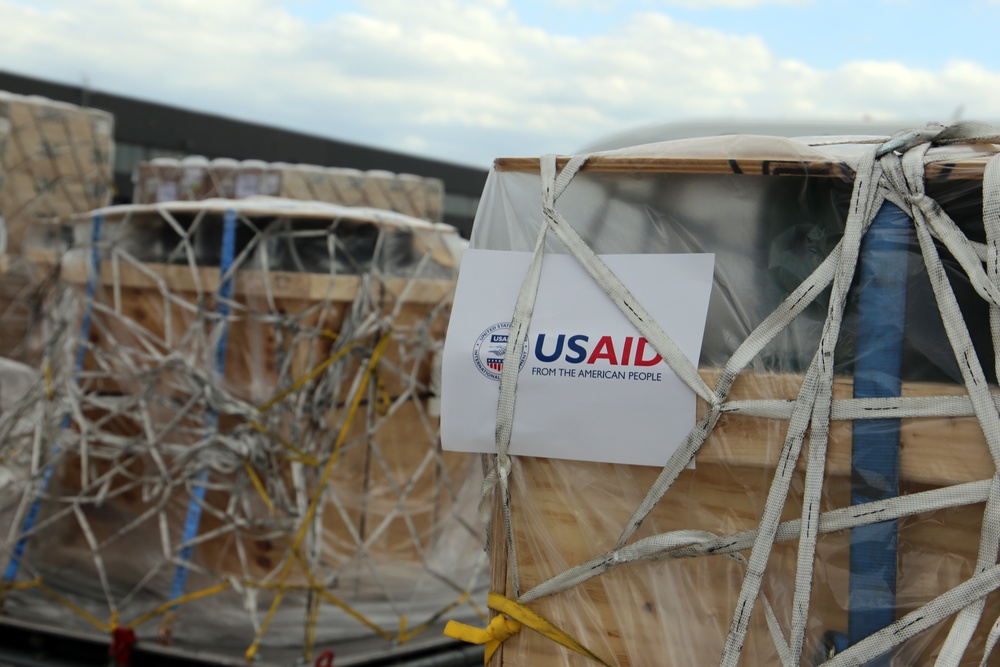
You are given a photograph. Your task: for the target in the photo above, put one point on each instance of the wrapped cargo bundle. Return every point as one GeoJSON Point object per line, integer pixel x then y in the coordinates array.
{"type": "Point", "coordinates": [823, 490]}
{"type": "Point", "coordinates": [55, 160]}
{"type": "Point", "coordinates": [236, 436]}
{"type": "Point", "coordinates": [195, 178]}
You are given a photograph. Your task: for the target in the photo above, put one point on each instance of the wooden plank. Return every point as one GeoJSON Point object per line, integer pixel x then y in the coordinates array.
{"type": "Point", "coordinates": [752, 442]}
{"type": "Point", "coordinates": [775, 166]}
{"type": "Point", "coordinates": [498, 566]}
{"type": "Point", "coordinates": [284, 284]}
{"type": "Point", "coordinates": [971, 169]}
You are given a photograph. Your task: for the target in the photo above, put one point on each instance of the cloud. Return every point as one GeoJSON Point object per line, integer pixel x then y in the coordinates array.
{"type": "Point", "coordinates": [730, 4]}
{"type": "Point", "coordinates": [609, 5]}
{"type": "Point", "coordinates": [464, 81]}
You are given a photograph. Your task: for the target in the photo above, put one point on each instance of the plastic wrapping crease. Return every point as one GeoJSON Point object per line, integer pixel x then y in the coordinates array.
{"type": "Point", "coordinates": [774, 212]}
{"type": "Point", "coordinates": [329, 510]}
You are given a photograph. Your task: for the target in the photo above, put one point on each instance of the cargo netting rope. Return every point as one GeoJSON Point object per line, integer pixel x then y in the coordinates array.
{"type": "Point", "coordinates": [248, 439]}
{"type": "Point", "coordinates": [889, 173]}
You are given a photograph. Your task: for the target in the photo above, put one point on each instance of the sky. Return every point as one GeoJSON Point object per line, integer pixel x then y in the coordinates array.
{"type": "Point", "coordinates": [468, 81]}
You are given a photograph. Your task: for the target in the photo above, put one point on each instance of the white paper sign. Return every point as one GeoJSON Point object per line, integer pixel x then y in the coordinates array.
{"type": "Point", "coordinates": [590, 387]}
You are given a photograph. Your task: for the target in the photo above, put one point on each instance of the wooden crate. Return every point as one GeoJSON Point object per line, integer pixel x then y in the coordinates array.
{"type": "Point", "coordinates": [678, 612]}
{"type": "Point", "coordinates": [388, 479]}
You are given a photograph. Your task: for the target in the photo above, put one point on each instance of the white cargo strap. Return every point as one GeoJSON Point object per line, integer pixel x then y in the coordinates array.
{"type": "Point", "coordinates": [891, 172]}
{"type": "Point", "coordinates": [499, 470]}
{"type": "Point", "coordinates": [968, 619]}
{"type": "Point", "coordinates": [695, 543]}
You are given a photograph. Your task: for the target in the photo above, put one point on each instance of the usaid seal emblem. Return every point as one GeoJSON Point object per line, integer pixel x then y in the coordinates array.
{"type": "Point", "coordinates": [489, 350]}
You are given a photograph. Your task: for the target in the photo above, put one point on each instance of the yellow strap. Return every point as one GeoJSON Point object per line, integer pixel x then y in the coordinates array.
{"type": "Point", "coordinates": [511, 616]}
{"type": "Point", "coordinates": [167, 606]}
{"type": "Point", "coordinates": [311, 510]}
{"type": "Point", "coordinates": [312, 623]}
{"type": "Point", "coordinates": [356, 615]}
{"type": "Point", "coordinates": [339, 442]}
{"type": "Point", "coordinates": [49, 390]}
{"type": "Point", "coordinates": [406, 634]}
{"type": "Point", "coordinates": [259, 485]}
{"type": "Point", "coordinates": [302, 457]}
{"type": "Point", "coordinates": [385, 401]}
{"type": "Point", "coordinates": [497, 632]}
{"type": "Point", "coordinates": [79, 611]}
{"type": "Point", "coordinates": [334, 600]}
{"type": "Point", "coordinates": [21, 585]}
{"type": "Point", "coordinates": [274, 585]}
{"type": "Point", "coordinates": [302, 381]}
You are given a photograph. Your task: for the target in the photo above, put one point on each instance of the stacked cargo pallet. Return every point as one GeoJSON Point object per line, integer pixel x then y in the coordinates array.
{"type": "Point", "coordinates": [55, 160]}
{"type": "Point", "coordinates": [195, 178]}
{"type": "Point", "coordinates": [251, 443]}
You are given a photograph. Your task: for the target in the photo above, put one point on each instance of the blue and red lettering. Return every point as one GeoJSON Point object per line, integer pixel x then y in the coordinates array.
{"type": "Point", "coordinates": [548, 358]}
{"type": "Point", "coordinates": [577, 349]}
{"type": "Point", "coordinates": [605, 350]}
{"type": "Point", "coordinates": [630, 351]}
{"type": "Point", "coordinates": [639, 361]}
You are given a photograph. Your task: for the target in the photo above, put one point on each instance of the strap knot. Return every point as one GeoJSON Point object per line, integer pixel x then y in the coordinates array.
{"type": "Point", "coordinates": [497, 632]}
{"type": "Point", "coordinates": [502, 628]}
{"type": "Point", "coordinates": [511, 615]}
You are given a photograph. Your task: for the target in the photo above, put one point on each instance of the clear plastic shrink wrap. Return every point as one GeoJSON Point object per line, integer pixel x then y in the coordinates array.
{"type": "Point", "coordinates": [268, 365]}
{"type": "Point", "coordinates": [773, 211]}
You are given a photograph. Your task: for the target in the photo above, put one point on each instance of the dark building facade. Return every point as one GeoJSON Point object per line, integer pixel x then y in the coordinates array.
{"type": "Point", "coordinates": [145, 130]}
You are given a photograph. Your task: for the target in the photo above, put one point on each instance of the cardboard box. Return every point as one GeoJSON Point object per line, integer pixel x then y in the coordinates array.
{"type": "Point", "coordinates": [168, 179]}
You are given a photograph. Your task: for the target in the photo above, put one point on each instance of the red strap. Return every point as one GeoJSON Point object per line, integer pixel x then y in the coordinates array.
{"type": "Point", "coordinates": [122, 640]}
{"type": "Point", "coordinates": [325, 659]}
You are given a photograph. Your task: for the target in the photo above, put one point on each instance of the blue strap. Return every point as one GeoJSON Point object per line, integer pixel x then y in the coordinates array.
{"type": "Point", "coordinates": [875, 445]}
{"type": "Point", "coordinates": [224, 295]}
{"type": "Point", "coordinates": [93, 275]}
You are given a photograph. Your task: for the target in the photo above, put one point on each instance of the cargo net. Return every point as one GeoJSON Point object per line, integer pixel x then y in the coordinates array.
{"type": "Point", "coordinates": [234, 436]}
{"type": "Point", "coordinates": [888, 173]}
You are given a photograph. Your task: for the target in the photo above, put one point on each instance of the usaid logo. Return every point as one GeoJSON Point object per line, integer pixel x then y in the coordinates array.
{"type": "Point", "coordinates": [490, 348]}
